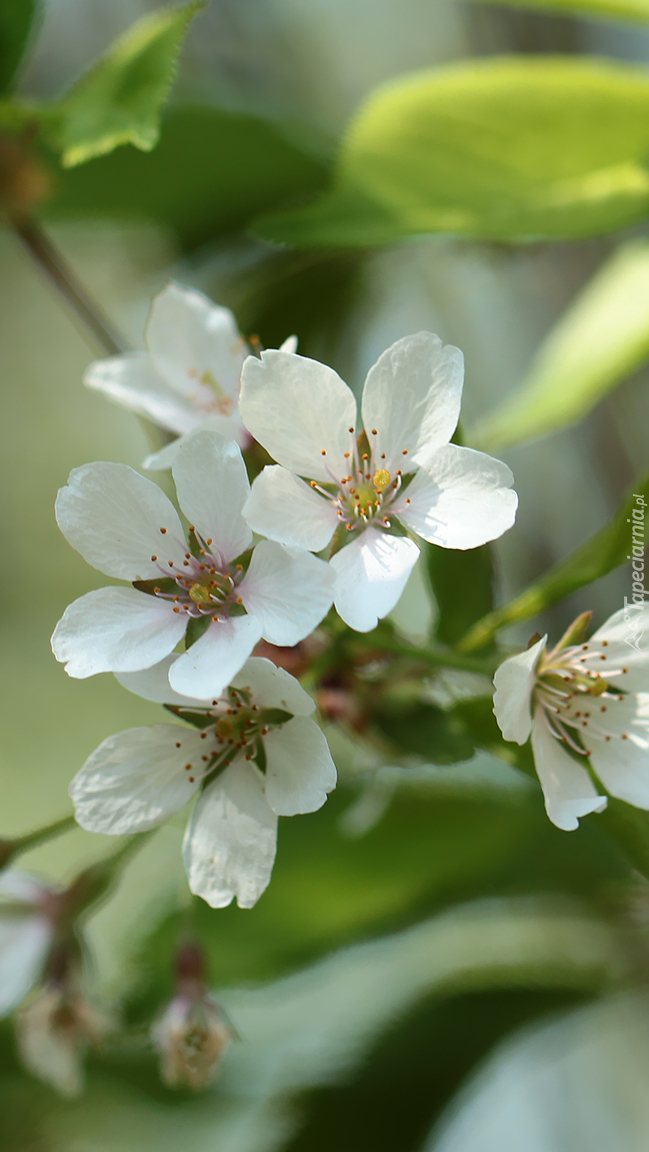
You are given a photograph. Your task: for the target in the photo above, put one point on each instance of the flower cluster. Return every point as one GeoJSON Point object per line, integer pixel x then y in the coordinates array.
{"type": "Point", "coordinates": [363, 494]}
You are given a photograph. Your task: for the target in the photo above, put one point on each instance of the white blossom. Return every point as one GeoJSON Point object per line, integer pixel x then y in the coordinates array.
{"type": "Point", "coordinates": [402, 471]}
{"type": "Point", "coordinates": [26, 934]}
{"type": "Point", "coordinates": [592, 698]}
{"type": "Point", "coordinates": [124, 525]}
{"type": "Point", "coordinates": [189, 378]}
{"type": "Point", "coordinates": [257, 756]}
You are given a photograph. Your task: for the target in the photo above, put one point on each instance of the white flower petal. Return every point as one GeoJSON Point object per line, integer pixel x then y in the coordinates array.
{"type": "Point", "coordinates": [514, 683]}
{"type": "Point", "coordinates": [115, 630]}
{"type": "Point", "coordinates": [194, 343]}
{"type": "Point", "coordinates": [113, 517]}
{"type": "Point", "coordinates": [153, 684]}
{"type": "Point", "coordinates": [134, 382]}
{"type": "Point", "coordinates": [207, 668]}
{"type": "Point", "coordinates": [288, 591]}
{"type": "Point", "coordinates": [289, 345]}
{"type": "Point", "coordinates": [229, 427]}
{"type": "Point", "coordinates": [273, 687]}
{"type": "Point", "coordinates": [622, 763]}
{"type": "Point", "coordinates": [300, 771]}
{"type": "Point", "coordinates": [371, 573]}
{"type": "Point", "coordinates": [212, 486]}
{"type": "Point", "coordinates": [284, 508]}
{"type": "Point", "coordinates": [567, 788]}
{"type": "Point", "coordinates": [24, 943]}
{"type": "Point", "coordinates": [412, 397]}
{"type": "Point", "coordinates": [627, 646]}
{"type": "Point", "coordinates": [298, 409]}
{"type": "Point", "coordinates": [461, 500]}
{"type": "Point", "coordinates": [138, 778]}
{"type": "Point", "coordinates": [231, 840]}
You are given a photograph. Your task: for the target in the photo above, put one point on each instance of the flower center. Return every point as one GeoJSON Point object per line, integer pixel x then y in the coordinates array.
{"type": "Point", "coordinates": [368, 493]}
{"type": "Point", "coordinates": [205, 585]}
{"type": "Point", "coordinates": [575, 692]}
{"type": "Point", "coordinates": [232, 728]}
{"type": "Point", "coordinates": [208, 397]}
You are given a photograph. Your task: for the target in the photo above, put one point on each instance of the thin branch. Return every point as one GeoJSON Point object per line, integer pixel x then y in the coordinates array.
{"type": "Point", "coordinates": [59, 273]}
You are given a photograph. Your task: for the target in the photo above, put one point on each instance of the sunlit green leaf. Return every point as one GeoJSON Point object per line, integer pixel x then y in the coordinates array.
{"type": "Point", "coordinates": [606, 550]}
{"type": "Point", "coordinates": [119, 100]}
{"type": "Point", "coordinates": [501, 149]}
{"type": "Point", "coordinates": [16, 21]}
{"type": "Point", "coordinates": [601, 339]}
{"type": "Point", "coordinates": [637, 10]}
{"type": "Point", "coordinates": [211, 172]}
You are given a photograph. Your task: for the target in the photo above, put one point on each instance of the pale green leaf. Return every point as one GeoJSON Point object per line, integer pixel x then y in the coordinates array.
{"type": "Point", "coordinates": [601, 339]}
{"type": "Point", "coordinates": [501, 149]}
{"type": "Point", "coordinates": [603, 9]}
{"type": "Point", "coordinates": [606, 550]}
{"type": "Point", "coordinates": [119, 100]}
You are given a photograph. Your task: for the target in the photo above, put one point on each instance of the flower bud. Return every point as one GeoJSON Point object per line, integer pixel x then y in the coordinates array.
{"type": "Point", "coordinates": [57, 1026]}
{"type": "Point", "coordinates": [191, 1035]}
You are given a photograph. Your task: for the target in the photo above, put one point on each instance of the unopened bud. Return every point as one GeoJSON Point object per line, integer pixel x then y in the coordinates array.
{"type": "Point", "coordinates": [54, 1031]}
{"type": "Point", "coordinates": [191, 1035]}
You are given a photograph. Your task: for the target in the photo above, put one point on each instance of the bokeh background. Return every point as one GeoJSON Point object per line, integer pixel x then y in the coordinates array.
{"type": "Point", "coordinates": [434, 966]}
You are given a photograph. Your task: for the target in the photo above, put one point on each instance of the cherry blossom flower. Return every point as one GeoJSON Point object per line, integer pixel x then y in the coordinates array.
{"type": "Point", "coordinates": [189, 377]}
{"type": "Point", "coordinates": [26, 934]}
{"type": "Point", "coordinates": [591, 698]}
{"type": "Point", "coordinates": [125, 526]}
{"type": "Point", "coordinates": [251, 755]}
{"type": "Point", "coordinates": [400, 474]}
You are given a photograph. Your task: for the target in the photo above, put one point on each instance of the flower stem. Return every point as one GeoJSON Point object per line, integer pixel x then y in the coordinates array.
{"type": "Point", "coordinates": [58, 271]}
{"type": "Point", "coordinates": [442, 657]}
{"type": "Point", "coordinates": [9, 849]}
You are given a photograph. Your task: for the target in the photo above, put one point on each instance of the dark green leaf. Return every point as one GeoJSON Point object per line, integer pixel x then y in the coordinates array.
{"type": "Point", "coordinates": [120, 99]}
{"type": "Point", "coordinates": [502, 149]}
{"type": "Point", "coordinates": [462, 583]}
{"type": "Point", "coordinates": [425, 730]}
{"type": "Point", "coordinates": [628, 827]}
{"type": "Point", "coordinates": [211, 172]}
{"type": "Point", "coordinates": [606, 550]}
{"type": "Point", "coordinates": [17, 18]}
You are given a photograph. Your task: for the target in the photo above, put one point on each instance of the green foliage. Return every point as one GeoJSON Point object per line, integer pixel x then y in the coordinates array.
{"type": "Point", "coordinates": [425, 730]}
{"type": "Point", "coordinates": [211, 172]}
{"type": "Point", "coordinates": [16, 22]}
{"type": "Point", "coordinates": [601, 339]}
{"type": "Point", "coordinates": [119, 100]}
{"type": "Point", "coordinates": [500, 149]}
{"type": "Point", "coordinates": [636, 10]}
{"type": "Point", "coordinates": [606, 550]}
{"type": "Point", "coordinates": [462, 583]}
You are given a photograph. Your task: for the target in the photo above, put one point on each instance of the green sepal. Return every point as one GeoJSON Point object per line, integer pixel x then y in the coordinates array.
{"type": "Point", "coordinates": [196, 628]}
{"type": "Point", "coordinates": [270, 716]}
{"type": "Point", "coordinates": [196, 719]}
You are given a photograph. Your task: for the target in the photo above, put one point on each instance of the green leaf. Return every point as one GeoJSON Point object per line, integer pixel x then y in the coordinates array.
{"type": "Point", "coordinates": [637, 10]}
{"type": "Point", "coordinates": [462, 583]}
{"type": "Point", "coordinates": [606, 550]}
{"type": "Point", "coordinates": [501, 149]}
{"type": "Point", "coordinates": [211, 173]}
{"type": "Point", "coordinates": [601, 339]}
{"type": "Point", "coordinates": [425, 730]}
{"type": "Point", "coordinates": [119, 100]}
{"type": "Point", "coordinates": [16, 22]}
{"type": "Point", "coordinates": [628, 827]}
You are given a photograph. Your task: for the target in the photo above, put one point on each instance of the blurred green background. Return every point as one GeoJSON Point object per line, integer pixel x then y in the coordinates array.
{"type": "Point", "coordinates": [460, 968]}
